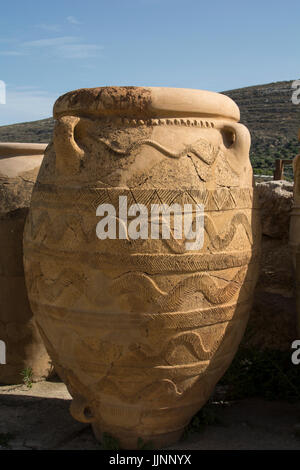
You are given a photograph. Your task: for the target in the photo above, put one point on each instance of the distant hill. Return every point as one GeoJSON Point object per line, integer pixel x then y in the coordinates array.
{"type": "Point", "coordinates": [267, 110]}
{"type": "Point", "coordinates": [273, 120]}
{"type": "Point", "coordinates": [33, 131]}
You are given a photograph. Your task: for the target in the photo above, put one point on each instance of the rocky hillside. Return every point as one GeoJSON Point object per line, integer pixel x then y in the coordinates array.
{"type": "Point", "coordinates": [267, 110]}
{"type": "Point", "coordinates": [273, 120]}
{"type": "Point", "coordinates": [34, 131]}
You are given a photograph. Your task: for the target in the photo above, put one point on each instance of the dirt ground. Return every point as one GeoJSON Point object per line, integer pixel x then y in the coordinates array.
{"type": "Point", "coordinates": [39, 418]}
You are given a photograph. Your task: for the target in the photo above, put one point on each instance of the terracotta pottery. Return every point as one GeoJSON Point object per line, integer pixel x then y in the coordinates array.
{"type": "Point", "coordinates": [295, 231]}
{"type": "Point", "coordinates": [19, 165]}
{"type": "Point", "coordinates": [141, 330]}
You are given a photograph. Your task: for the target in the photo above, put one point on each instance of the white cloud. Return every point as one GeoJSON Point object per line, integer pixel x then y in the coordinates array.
{"type": "Point", "coordinates": [73, 20]}
{"type": "Point", "coordinates": [26, 105]}
{"type": "Point", "coordinates": [51, 41]}
{"type": "Point", "coordinates": [66, 47]}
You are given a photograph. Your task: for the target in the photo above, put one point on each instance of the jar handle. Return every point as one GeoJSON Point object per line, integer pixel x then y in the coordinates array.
{"type": "Point", "coordinates": [81, 410]}
{"type": "Point", "coordinates": [240, 138]}
{"type": "Point", "coordinates": [68, 152]}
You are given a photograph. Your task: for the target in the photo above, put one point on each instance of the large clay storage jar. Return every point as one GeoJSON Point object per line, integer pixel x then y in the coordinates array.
{"type": "Point", "coordinates": [141, 330]}
{"type": "Point", "coordinates": [23, 347]}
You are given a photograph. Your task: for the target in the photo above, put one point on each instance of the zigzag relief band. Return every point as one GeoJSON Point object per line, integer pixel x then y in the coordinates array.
{"type": "Point", "coordinates": [215, 199]}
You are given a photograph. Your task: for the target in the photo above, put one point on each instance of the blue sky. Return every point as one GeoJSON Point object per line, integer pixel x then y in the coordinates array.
{"type": "Point", "coordinates": [50, 47]}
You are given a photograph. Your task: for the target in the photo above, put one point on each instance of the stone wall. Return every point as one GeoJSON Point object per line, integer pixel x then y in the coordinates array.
{"type": "Point", "coordinates": [272, 323]}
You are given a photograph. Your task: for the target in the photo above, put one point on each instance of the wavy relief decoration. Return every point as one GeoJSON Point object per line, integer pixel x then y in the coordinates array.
{"type": "Point", "coordinates": [201, 149]}
{"type": "Point", "coordinates": [145, 289]}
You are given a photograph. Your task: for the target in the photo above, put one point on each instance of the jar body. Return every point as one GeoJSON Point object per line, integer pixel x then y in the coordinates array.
{"type": "Point", "coordinates": [24, 348]}
{"type": "Point", "coordinates": [141, 329]}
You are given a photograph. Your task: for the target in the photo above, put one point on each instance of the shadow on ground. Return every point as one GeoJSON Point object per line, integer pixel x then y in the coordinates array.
{"type": "Point", "coordinates": [39, 418]}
